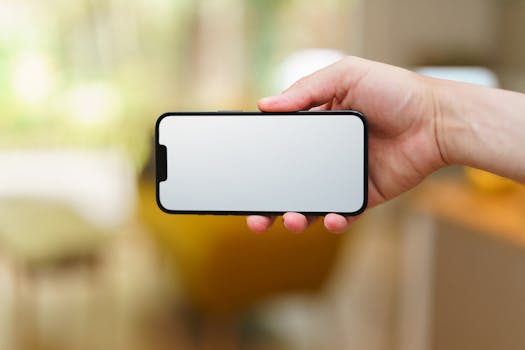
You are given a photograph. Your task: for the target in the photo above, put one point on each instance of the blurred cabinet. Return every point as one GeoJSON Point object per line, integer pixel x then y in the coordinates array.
{"type": "Point", "coordinates": [462, 277]}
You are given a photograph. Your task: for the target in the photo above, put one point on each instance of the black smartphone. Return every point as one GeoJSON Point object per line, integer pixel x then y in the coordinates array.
{"type": "Point", "coordinates": [262, 163]}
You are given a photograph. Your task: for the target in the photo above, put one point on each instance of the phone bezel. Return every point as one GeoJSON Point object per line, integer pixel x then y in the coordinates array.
{"type": "Point", "coordinates": [160, 167]}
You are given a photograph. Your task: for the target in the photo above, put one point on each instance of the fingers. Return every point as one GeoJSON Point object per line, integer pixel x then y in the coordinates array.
{"type": "Point", "coordinates": [313, 90]}
{"type": "Point", "coordinates": [337, 223]}
{"type": "Point", "coordinates": [324, 107]}
{"type": "Point", "coordinates": [259, 223]}
{"type": "Point", "coordinates": [293, 222]}
{"type": "Point", "coordinates": [296, 222]}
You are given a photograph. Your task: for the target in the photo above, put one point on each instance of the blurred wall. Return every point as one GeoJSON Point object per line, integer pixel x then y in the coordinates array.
{"type": "Point", "coordinates": [512, 50]}
{"type": "Point", "coordinates": [414, 32]}
{"type": "Point", "coordinates": [447, 32]}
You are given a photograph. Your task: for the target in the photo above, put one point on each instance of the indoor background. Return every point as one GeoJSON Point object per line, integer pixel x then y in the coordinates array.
{"type": "Point", "coordinates": [87, 260]}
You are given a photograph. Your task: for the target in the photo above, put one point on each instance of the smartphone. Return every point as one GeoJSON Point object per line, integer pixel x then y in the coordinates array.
{"type": "Point", "coordinates": [242, 163]}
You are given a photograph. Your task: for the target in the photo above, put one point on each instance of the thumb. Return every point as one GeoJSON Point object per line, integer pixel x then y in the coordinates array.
{"type": "Point", "coordinates": [315, 89]}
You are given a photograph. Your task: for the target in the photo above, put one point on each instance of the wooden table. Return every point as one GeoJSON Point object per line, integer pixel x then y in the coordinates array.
{"type": "Point", "coordinates": [499, 215]}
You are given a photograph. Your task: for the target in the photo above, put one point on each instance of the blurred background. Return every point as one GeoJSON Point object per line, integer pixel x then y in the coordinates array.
{"type": "Point", "coordinates": [87, 260]}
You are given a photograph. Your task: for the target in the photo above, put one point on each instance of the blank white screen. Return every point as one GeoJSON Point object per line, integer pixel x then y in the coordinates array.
{"type": "Point", "coordinates": [263, 163]}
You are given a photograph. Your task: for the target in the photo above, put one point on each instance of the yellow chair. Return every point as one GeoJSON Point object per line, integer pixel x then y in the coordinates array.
{"type": "Point", "coordinates": [225, 267]}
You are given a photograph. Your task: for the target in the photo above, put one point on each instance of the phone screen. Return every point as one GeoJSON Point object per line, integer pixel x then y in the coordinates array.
{"type": "Point", "coordinates": [246, 163]}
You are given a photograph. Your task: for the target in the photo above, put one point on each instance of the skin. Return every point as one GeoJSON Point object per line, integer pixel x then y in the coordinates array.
{"type": "Point", "coordinates": [416, 126]}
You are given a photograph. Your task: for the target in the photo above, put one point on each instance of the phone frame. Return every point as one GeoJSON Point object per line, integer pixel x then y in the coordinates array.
{"type": "Point", "coordinates": [161, 161]}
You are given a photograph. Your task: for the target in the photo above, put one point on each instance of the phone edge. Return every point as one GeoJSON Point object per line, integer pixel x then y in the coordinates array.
{"type": "Point", "coordinates": [245, 213]}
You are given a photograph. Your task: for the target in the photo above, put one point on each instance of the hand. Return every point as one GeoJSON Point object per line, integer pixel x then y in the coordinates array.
{"type": "Point", "coordinates": [404, 126]}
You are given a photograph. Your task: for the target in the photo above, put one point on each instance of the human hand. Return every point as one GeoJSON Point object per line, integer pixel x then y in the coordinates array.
{"type": "Point", "coordinates": [404, 127]}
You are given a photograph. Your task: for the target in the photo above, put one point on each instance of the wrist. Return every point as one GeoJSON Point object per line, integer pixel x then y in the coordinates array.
{"type": "Point", "coordinates": [480, 127]}
{"type": "Point", "coordinates": [452, 130]}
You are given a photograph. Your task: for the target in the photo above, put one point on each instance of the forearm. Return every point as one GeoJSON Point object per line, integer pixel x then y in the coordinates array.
{"type": "Point", "coordinates": [481, 127]}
